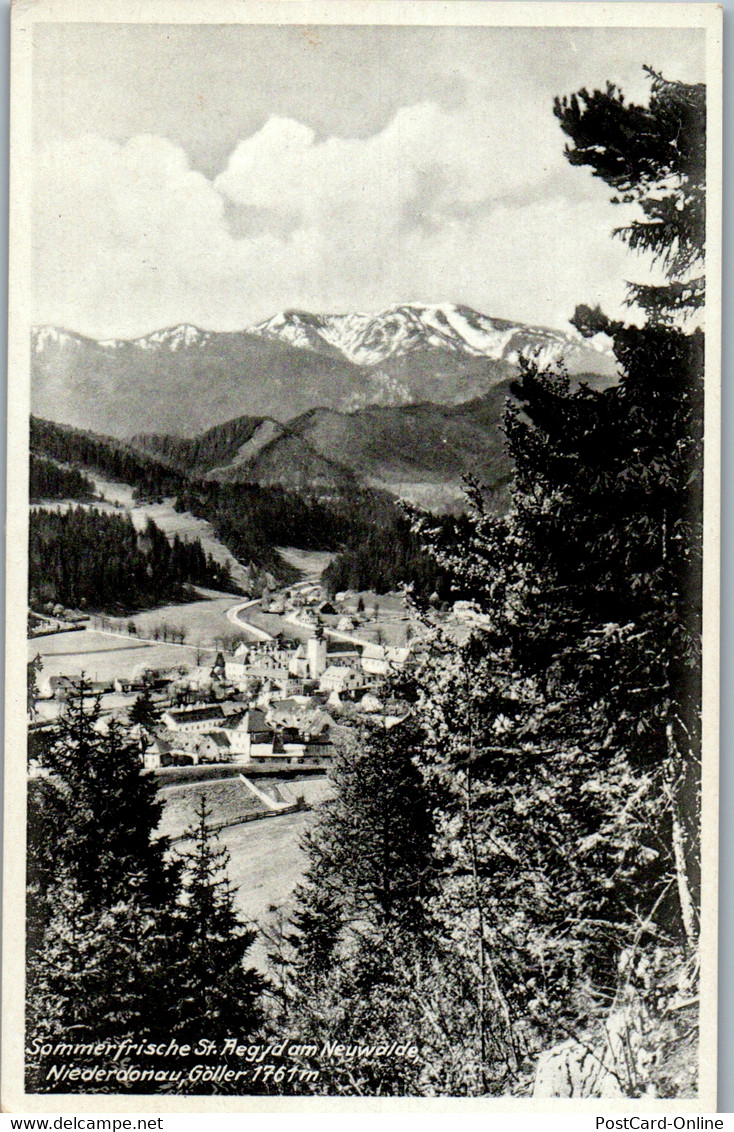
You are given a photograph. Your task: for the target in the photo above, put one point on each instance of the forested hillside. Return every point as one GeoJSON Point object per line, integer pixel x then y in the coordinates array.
{"type": "Point", "coordinates": [367, 530]}
{"type": "Point", "coordinates": [112, 458]}
{"type": "Point", "coordinates": [84, 558]}
{"type": "Point", "coordinates": [373, 538]}
{"type": "Point", "coordinates": [557, 803]}
{"type": "Point", "coordinates": [217, 446]}
{"type": "Point", "coordinates": [385, 556]}
{"type": "Point", "coordinates": [49, 481]}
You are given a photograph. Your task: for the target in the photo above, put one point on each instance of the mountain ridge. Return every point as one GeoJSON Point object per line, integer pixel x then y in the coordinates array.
{"type": "Point", "coordinates": [419, 452]}
{"type": "Point", "coordinates": [184, 380]}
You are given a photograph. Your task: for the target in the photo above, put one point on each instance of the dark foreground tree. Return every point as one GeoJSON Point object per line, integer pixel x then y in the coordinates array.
{"type": "Point", "coordinates": [363, 938]}
{"type": "Point", "coordinates": [124, 944]}
{"type": "Point", "coordinates": [654, 156]}
{"type": "Point", "coordinates": [567, 730]}
{"type": "Point", "coordinates": [212, 991]}
{"type": "Point", "coordinates": [108, 811]}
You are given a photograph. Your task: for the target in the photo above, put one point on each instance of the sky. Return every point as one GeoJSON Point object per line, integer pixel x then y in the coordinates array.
{"type": "Point", "coordinates": [218, 174]}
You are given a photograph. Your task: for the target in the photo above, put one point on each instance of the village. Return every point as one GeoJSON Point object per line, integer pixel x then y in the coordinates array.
{"type": "Point", "coordinates": [270, 703]}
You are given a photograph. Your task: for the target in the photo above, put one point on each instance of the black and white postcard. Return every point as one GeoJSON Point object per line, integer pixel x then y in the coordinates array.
{"type": "Point", "coordinates": [362, 609]}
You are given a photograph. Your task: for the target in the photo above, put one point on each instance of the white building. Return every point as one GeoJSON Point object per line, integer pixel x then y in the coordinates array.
{"type": "Point", "coordinates": [200, 718]}
{"type": "Point", "coordinates": [337, 678]}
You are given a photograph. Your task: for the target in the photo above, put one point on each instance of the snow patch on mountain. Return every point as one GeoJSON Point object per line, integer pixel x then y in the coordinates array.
{"type": "Point", "coordinates": [174, 338]}
{"type": "Point", "coordinates": [45, 336]}
{"type": "Point", "coordinates": [370, 339]}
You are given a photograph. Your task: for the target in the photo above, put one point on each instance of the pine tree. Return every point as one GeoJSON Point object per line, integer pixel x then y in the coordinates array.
{"type": "Point", "coordinates": [362, 932]}
{"type": "Point", "coordinates": [143, 711]}
{"type": "Point", "coordinates": [655, 156]}
{"type": "Point", "coordinates": [108, 810]}
{"type": "Point", "coordinates": [567, 731]}
{"type": "Point", "coordinates": [212, 990]}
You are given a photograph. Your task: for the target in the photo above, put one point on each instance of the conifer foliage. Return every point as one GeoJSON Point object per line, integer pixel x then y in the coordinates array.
{"type": "Point", "coordinates": [362, 929]}
{"type": "Point", "coordinates": [654, 156]}
{"type": "Point", "coordinates": [125, 942]}
{"type": "Point", "coordinates": [214, 992]}
{"type": "Point", "coordinates": [557, 745]}
{"type": "Point", "coordinates": [568, 730]}
{"type": "Point", "coordinates": [87, 557]}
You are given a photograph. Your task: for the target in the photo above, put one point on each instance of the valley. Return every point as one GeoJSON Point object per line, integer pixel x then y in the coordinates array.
{"type": "Point", "coordinates": [283, 451]}
{"type": "Point", "coordinates": [176, 647]}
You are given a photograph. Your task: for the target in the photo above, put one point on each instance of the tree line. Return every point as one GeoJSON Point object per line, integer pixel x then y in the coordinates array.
{"type": "Point", "coordinates": [49, 481]}
{"type": "Point", "coordinates": [150, 478]}
{"type": "Point", "coordinates": [373, 538]}
{"type": "Point", "coordinates": [384, 557]}
{"type": "Point", "coordinates": [86, 558]}
{"type": "Point", "coordinates": [363, 528]}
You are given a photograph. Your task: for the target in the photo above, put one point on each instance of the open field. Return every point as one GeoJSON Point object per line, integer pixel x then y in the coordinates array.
{"type": "Point", "coordinates": [203, 621]}
{"type": "Point", "coordinates": [229, 797]}
{"type": "Point", "coordinates": [227, 800]}
{"type": "Point", "coordinates": [266, 864]}
{"type": "Point", "coordinates": [311, 563]}
{"type": "Point", "coordinates": [266, 860]}
{"type": "Point", "coordinates": [442, 498]}
{"type": "Point", "coordinates": [118, 496]}
{"type": "Point", "coordinates": [103, 656]}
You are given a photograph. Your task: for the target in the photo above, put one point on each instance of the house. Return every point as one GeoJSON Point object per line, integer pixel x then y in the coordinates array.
{"type": "Point", "coordinates": [373, 651]}
{"type": "Point", "coordinates": [158, 754]}
{"type": "Point", "coordinates": [232, 708]}
{"type": "Point", "coordinates": [215, 748]}
{"type": "Point", "coordinates": [316, 728]}
{"type": "Point", "coordinates": [374, 667]}
{"type": "Point", "coordinates": [339, 652]}
{"type": "Point", "coordinates": [200, 718]}
{"type": "Point", "coordinates": [339, 678]}
{"type": "Point", "coordinates": [236, 672]}
{"type": "Point", "coordinates": [280, 683]}
{"type": "Point", "coordinates": [374, 660]}
{"type": "Point", "coordinates": [182, 742]}
{"type": "Point", "coordinates": [54, 687]}
{"type": "Point", "coordinates": [298, 663]}
{"type": "Point", "coordinates": [162, 752]}
{"type": "Point", "coordinates": [250, 736]}
{"type": "Point", "coordinates": [345, 625]}
{"type": "Point", "coordinates": [195, 680]}
{"type": "Point", "coordinates": [296, 722]}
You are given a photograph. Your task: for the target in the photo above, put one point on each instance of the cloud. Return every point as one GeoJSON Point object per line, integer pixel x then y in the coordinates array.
{"type": "Point", "coordinates": [472, 204]}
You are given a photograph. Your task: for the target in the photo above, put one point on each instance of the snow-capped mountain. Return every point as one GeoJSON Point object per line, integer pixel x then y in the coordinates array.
{"type": "Point", "coordinates": [174, 338]}
{"type": "Point", "coordinates": [185, 380]}
{"type": "Point", "coordinates": [51, 337]}
{"type": "Point", "coordinates": [371, 339]}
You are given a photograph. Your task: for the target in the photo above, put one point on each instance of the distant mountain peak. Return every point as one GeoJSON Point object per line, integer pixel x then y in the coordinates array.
{"type": "Point", "coordinates": [184, 380]}
{"type": "Point", "coordinates": [174, 337]}
{"type": "Point", "coordinates": [44, 337]}
{"type": "Point", "coordinates": [372, 339]}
